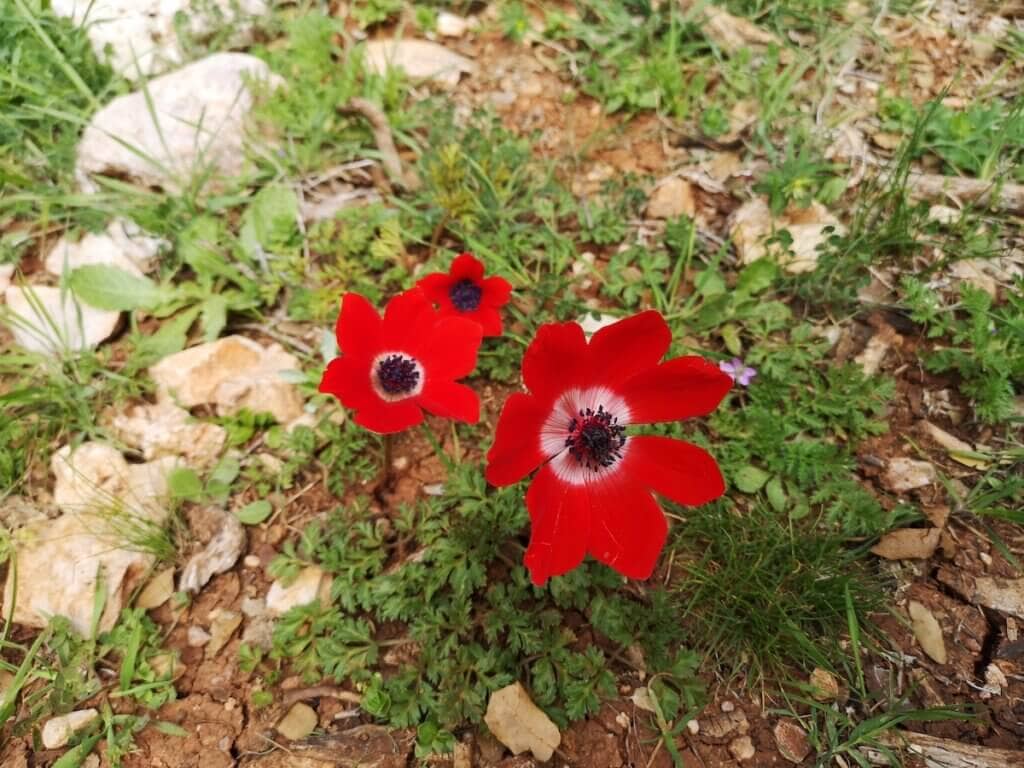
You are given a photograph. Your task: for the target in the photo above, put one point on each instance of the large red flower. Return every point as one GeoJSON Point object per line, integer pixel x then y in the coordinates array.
{"type": "Point", "coordinates": [465, 292]}
{"type": "Point", "coordinates": [593, 491]}
{"type": "Point", "coordinates": [392, 369]}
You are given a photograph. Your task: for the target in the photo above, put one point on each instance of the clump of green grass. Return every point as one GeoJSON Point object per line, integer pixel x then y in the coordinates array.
{"type": "Point", "coordinates": [51, 79]}
{"type": "Point", "coordinates": [762, 595]}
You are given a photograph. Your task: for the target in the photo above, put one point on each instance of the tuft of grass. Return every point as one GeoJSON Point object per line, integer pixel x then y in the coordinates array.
{"type": "Point", "coordinates": [762, 596]}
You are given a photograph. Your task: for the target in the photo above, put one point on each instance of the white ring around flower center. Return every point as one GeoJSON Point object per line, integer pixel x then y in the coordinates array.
{"type": "Point", "coordinates": [555, 430]}
{"type": "Point", "coordinates": [397, 396]}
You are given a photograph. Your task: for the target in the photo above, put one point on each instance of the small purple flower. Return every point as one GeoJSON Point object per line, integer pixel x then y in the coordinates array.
{"type": "Point", "coordinates": [738, 372]}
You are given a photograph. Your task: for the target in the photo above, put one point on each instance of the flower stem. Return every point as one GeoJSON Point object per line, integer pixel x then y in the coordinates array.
{"type": "Point", "coordinates": [389, 465]}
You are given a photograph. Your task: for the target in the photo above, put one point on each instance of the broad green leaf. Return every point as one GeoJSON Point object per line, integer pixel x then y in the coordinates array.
{"type": "Point", "coordinates": [218, 485]}
{"type": "Point", "coordinates": [750, 479]}
{"type": "Point", "coordinates": [214, 316]}
{"type": "Point", "coordinates": [169, 728]}
{"type": "Point", "coordinates": [171, 337]}
{"type": "Point", "coordinates": [757, 276]}
{"type": "Point", "coordinates": [271, 220]}
{"type": "Point", "coordinates": [108, 287]}
{"type": "Point", "coordinates": [184, 483]}
{"type": "Point", "coordinates": [255, 512]}
{"type": "Point", "coordinates": [776, 496]}
{"type": "Point", "coordinates": [731, 336]}
{"type": "Point", "coordinates": [199, 246]}
{"type": "Point", "coordinates": [709, 283]}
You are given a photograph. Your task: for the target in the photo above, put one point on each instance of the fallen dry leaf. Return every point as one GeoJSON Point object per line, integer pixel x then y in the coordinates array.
{"type": "Point", "coordinates": [520, 724]}
{"type": "Point", "coordinates": [824, 685]}
{"type": "Point", "coordinates": [927, 631]}
{"type": "Point", "coordinates": [953, 445]}
{"type": "Point", "coordinates": [908, 544]}
{"type": "Point", "coordinates": [672, 198]}
{"type": "Point", "coordinates": [157, 591]}
{"type": "Point", "coordinates": [753, 223]}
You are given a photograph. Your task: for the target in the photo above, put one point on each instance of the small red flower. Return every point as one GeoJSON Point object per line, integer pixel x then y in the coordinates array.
{"type": "Point", "coordinates": [391, 369]}
{"type": "Point", "coordinates": [593, 492]}
{"type": "Point", "coordinates": [465, 292]}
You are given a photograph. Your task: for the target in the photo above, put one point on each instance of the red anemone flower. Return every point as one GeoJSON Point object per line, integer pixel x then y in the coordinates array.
{"type": "Point", "coordinates": [465, 292]}
{"type": "Point", "coordinates": [392, 369]}
{"type": "Point", "coordinates": [593, 491]}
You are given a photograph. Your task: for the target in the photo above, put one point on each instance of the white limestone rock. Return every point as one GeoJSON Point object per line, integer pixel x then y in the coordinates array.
{"type": "Point", "coordinates": [231, 373]}
{"type": "Point", "coordinates": [141, 35]}
{"type": "Point", "coordinates": [52, 321]}
{"type": "Point", "coordinates": [185, 123]}
{"type": "Point", "coordinates": [123, 245]}
{"type": "Point", "coordinates": [420, 59]}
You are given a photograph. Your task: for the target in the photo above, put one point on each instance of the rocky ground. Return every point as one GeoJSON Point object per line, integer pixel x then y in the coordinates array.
{"type": "Point", "coordinates": [88, 518]}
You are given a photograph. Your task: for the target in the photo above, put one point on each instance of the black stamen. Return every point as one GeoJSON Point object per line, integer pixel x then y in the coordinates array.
{"type": "Point", "coordinates": [397, 374]}
{"type": "Point", "coordinates": [465, 295]}
{"type": "Point", "coordinates": [595, 439]}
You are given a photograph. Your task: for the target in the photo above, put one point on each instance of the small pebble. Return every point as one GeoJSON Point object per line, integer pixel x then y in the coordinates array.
{"type": "Point", "coordinates": [693, 727]}
{"type": "Point", "coordinates": [728, 706]}
{"type": "Point", "coordinates": [251, 561]}
{"type": "Point", "coordinates": [198, 637]}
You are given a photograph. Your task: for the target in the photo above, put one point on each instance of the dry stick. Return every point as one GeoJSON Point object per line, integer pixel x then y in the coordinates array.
{"type": "Point", "coordinates": [385, 143]}
{"type": "Point", "coordinates": [932, 186]}
{"type": "Point", "coordinates": [944, 753]}
{"type": "Point", "coordinates": [325, 691]}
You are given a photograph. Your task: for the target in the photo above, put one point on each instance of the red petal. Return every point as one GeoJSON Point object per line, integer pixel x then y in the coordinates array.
{"type": "Point", "coordinates": [408, 319]}
{"type": "Point", "coordinates": [560, 521]}
{"type": "Point", "coordinates": [466, 267]}
{"type": "Point", "coordinates": [435, 287]}
{"type": "Point", "coordinates": [628, 528]}
{"type": "Point", "coordinates": [450, 400]}
{"type": "Point", "coordinates": [680, 471]}
{"type": "Point", "coordinates": [556, 359]}
{"type": "Point", "coordinates": [630, 346]}
{"type": "Point", "coordinates": [385, 418]}
{"type": "Point", "coordinates": [677, 389]}
{"type": "Point", "coordinates": [516, 451]}
{"type": "Point", "coordinates": [497, 292]}
{"type": "Point", "coordinates": [348, 379]}
{"type": "Point", "coordinates": [489, 320]}
{"type": "Point", "coordinates": [359, 326]}
{"type": "Point", "coordinates": [449, 352]}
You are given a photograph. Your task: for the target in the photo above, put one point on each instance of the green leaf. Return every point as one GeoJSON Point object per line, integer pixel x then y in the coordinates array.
{"type": "Point", "coordinates": [709, 283]}
{"type": "Point", "coordinates": [757, 277]}
{"type": "Point", "coordinates": [749, 479]}
{"type": "Point", "coordinates": [199, 246]}
{"type": "Point", "coordinates": [731, 336]}
{"type": "Point", "coordinates": [214, 316]}
{"type": "Point", "coordinates": [75, 756]}
{"type": "Point", "coordinates": [799, 511]}
{"type": "Point", "coordinates": [170, 338]}
{"type": "Point", "coordinates": [108, 287]}
{"type": "Point", "coordinates": [776, 496]}
{"type": "Point", "coordinates": [271, 219]}
{"type": "Point", "coordinates": [170, 729]}
{"type": "Point", "coordinates": [255, 512]}
{"type": "Point", "coordinates": [218, 485]}
{"type": "Point", "coordinates": [184, 484]}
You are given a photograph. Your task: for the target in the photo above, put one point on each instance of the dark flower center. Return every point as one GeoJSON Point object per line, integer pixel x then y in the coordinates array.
{"type": "Point", "coordinates": [398, 374]}
{"type": "Point", "coordinates": [465, 295]}
{"type": "Point", "coordinates": [595, 438]}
